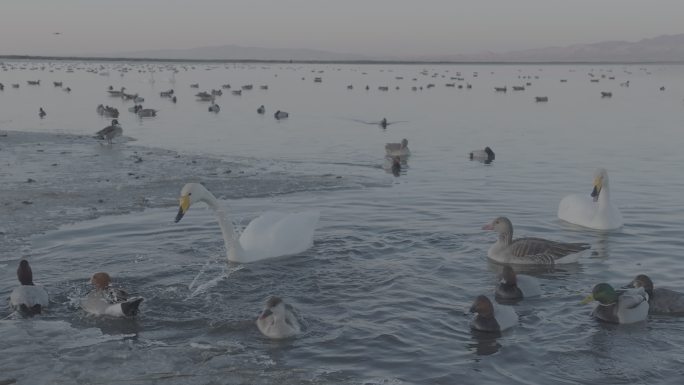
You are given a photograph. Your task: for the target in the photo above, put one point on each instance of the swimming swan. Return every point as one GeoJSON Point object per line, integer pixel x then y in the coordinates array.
{"type": "Point", "coordinates": [277, 320]}
{"type": "Point", "coordinates": [273, 234]}
{"type": "Point", "coordinates": [595, 212]}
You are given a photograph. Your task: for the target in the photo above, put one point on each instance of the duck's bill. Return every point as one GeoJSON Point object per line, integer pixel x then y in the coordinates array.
{"type": "Point", "coordinates": [589, 298]}
{"type": "Point", "coordinates": [184, 205]}
{"type": "Point", "coordinates": [595, 193]}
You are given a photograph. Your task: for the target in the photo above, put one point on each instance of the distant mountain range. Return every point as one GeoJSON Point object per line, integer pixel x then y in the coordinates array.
{"type": "Point", "coordinates": [666, 48]}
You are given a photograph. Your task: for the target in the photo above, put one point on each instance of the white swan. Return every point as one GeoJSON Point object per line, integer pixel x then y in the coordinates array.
{"type": "Point", "coordinates": [595, 212]}
{"type": "Point", "coordinates": [273, 234]}
{"type": "Point", "coordinates": [106, 300]}
{"type": "Point", "coordinates": [28, 299]}
{"type": "Point", "coordinates": [277, 320]}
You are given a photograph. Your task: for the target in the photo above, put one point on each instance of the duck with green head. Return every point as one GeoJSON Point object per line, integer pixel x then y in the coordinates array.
{"type": "Point", "coordinates": [621, 307]}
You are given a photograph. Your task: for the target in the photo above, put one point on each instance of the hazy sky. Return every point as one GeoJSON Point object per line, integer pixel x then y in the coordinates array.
{"type": "Point", "coordinates": [390, 27]}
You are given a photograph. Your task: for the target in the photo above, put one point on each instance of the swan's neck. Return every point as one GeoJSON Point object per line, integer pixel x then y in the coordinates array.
{"type": "Point", "coordinates": [231, 242]}
{"type": "Point", "coordinates": [604, 196]}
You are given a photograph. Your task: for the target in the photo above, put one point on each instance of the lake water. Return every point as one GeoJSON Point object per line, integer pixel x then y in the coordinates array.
{"type": "Point", "coordinates": [384, 292]}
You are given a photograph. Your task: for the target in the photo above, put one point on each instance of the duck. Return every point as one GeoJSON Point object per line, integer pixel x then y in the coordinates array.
{"type": "Point", "coordinates": [214, 108]}
{"type": "Point", "coordinates": [41, 113]}
{"type": "Point", "coordinates": [661, 301]}
{"type": "Point", "coordinates": [106, 300]}
{"type": "Point", "coordinates": [492, 318]}
{"type": "Point", "coordinates": [514, 286]}
{"type": "Point", "coordinates": [110, 132]}
{"type": "Point", "coordinates": [383, 123]}
{"type": "Point", "coordinates": [624, 307]}
{"type": "Point", "coordinates": [28, 299]}
{"type": "Point", "coordinates": [261, 110]}
{"type": "Point", "coordinates": [398, 149]}
{"type": "Point", "coordinates": [273, 234]}
{"type": "Point", "coordinates": [281, 115]}
{"type": "Point", "coordinates": [486, 155]}
{"type": "Point", "coordinates": [596, 211]}
{"type": "Point", "coordinates": [530, 251]}
{"type": "Point", "coordinates": [147, 112]}
{"type": "Point", "coordinates": [277, 320]}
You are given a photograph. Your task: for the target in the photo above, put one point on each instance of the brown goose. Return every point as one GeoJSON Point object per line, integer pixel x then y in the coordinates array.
{"type": "Point", "coordinates": [530, 251]}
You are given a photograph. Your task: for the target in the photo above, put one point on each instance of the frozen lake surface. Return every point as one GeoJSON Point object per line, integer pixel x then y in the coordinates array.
{"type": "Point", "coordinates": [383, 295]}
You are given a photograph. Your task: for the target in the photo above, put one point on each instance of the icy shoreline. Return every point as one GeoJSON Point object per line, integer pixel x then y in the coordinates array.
{"type": "Point", "coordinates": [53, 179]}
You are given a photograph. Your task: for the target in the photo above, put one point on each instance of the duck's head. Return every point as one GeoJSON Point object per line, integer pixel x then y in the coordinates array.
{"type": "Point", "coordinates": [274, 308]}
{"type": "Point", "coordinates": [482, 306]}
{"type": "Point", "coordinates": [642, 280]}
{"type": "Point", "coordinates": [100, 280]}
{"type": "Point", "coordinates": [191, 193]}
{"type": "Point", "coordinates": [501, 225]}
{"type": "Point", "coordinates": [600, 179]}
{"type": "Point", "coordinates": [24, 273]}
{"type": "Point", "coordinates": [508, 276]}
{"type": "Point", "coordinates": [603, 293]}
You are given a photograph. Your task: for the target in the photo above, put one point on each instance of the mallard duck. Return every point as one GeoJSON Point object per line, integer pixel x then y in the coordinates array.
{"type": "Point", "coordinates": [622, 307]}
{"type": "Point", "coordinates": [660, 300]}
{"type": "Point", "coordinates": [530, 251]}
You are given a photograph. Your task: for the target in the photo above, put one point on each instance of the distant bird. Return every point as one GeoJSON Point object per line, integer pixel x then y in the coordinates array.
{"type": "Point", "coordinates": [41, 113]}
{"type": "Point", "coordinates": [56, 33]}
{"type": "Point", "coordinates": [28, 299]}
{"type": "Point", "coordinates": [214, 108]}
{"type": "Point", "coordinates": [110, 132]}
{"type": "Point", "coordinates": [398, 149]}
{"type": "Point", "coordinates": [486, 155]}
{"type": "Point", "coordinates": [530, 251]}
{"type": "Point", "coordinates": [281, 115]}
{"type": "Point", "coordinates": [173, 99]}
{"type": "Point", "coordinates": [147, 112]}
{"type": "Point", "coordinates": [278, 320]}
{"type": "Point", "coordinates": [383, 123]}
{"type": "Point", "coordinates": [261, 110]}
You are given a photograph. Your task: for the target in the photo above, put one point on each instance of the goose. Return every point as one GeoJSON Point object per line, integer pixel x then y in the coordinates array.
{"type": "Point", "coordinates": [272, 234]}
{"type": "Point", "coordinates": [595, 212]}
{"type": "Point", "coordinates": [530, 251]}
{"type": "Point", "coordinates": [261, 110]}
{"type": "Point", "coordinates": [398, 149]}
{"type": "Point", "coordinates": [28, 299]}
{"type": "Point", "coordinates": [492, 318]}
{"type": "Point", "coordinates": [106, 300]}
{"type": "Point", "coordinates": [623, 307]}
{"type": "Point", "coordinates": [660, 300]}
{"type": "Point", "coordinates": [281, 115]}
{"type": "Point", "coordinates": [514, 286]}
{"type": "Point", "coordinates": [486, 155]}
{"type": "Point", "coordinates": [277, 320]}
{"type": "Point", "coordinates": [110, 132]}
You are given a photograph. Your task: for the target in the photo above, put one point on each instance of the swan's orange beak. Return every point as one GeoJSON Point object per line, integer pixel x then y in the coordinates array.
{"type": "Point", "coordinates": [184, 206]}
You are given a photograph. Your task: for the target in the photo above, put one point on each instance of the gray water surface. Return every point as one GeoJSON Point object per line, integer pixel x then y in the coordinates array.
{"type": "Point", "coordinates": [383, 294]}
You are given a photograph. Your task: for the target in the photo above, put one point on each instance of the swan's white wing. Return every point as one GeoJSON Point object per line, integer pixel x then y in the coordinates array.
{"type": "Point", "coordinates": [577, 209]}
{"type": "Point", "coordinates": [274, 234]}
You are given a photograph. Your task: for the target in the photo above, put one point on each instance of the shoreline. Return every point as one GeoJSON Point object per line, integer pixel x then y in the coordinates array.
{"type": "Point", "coordinates": [354, 62]}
